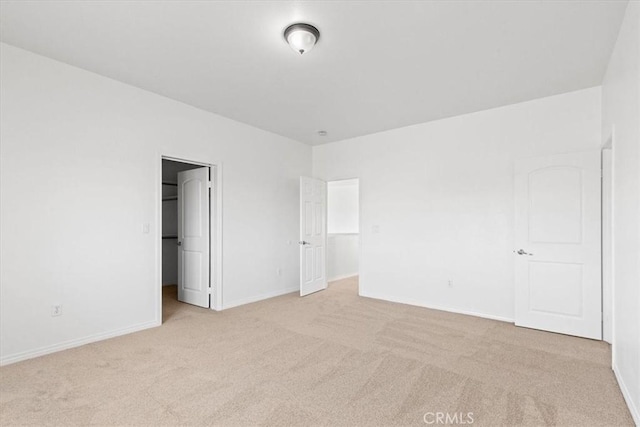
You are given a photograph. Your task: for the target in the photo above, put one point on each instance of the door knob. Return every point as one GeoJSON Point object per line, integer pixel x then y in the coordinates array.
{"type": "Point", "coordinates": [522, 252]}
{"type": "Point", "coordinates": [179, 243]}
{"type": "Point", "coordinates": [302, 242]}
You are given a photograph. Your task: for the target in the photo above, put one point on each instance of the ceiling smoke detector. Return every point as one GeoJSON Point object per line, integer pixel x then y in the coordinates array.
{"type": "Point", "coordinates": [301, 37]}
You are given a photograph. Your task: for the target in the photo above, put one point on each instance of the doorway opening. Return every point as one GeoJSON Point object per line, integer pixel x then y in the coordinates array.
{"type": "Point", "coordinates": [607, 240]}
{"type": "Point", "coordinates": [343, 233]}
{"type": "Point", "coordinates": [187, 227]}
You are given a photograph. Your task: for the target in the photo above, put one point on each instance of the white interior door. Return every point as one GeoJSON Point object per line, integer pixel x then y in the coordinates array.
{"type": "Point", "coordinates": [193, 236]}
{"type": "Point", "coordinates": [558, 264]}
{"type": "Point", "coordinates": [313, 235]}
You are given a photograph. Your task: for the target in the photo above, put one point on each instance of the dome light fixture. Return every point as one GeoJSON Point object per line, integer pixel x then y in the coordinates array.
{"type": "Point", "coordinates": [301, 37]}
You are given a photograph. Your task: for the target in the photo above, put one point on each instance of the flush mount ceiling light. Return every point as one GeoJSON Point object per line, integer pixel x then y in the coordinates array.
{"type": "Point", "coordinates": [301, 37]}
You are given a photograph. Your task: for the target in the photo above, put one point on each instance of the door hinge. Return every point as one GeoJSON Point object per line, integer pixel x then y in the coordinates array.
{"type": "Point", "coordinates": [210, 291]}
{"type": "Point", "coordinates": [209, 184]}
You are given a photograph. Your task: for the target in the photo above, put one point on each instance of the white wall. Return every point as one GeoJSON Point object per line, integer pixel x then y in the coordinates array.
{"type": "Point", "coordinates": [436, 199]}
{"type": "Point", "coordinates": [80, 175]}
{"type": "Point", "coordinates": [342, 206]}
{"type": "Point", "coordinates": [343, 252]}
{"type": "Point", "coordinates": [621, 111]}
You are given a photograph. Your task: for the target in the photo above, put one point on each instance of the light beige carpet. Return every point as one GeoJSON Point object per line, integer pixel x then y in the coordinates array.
{"type": "Point", "coordinates": [331, 358]}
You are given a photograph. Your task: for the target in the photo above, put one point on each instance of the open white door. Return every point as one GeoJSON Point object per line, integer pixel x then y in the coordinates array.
{"type": "Point", "coordinates": [193, 237]}
{"type": "Point", "coordinates": [313, 235]}
{"type": "Point", "coordinates": [558, 264]}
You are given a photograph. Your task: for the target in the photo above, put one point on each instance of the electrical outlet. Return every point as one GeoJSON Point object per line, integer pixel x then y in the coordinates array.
{"type": "Point", "coordinates": [450, 283]}
{"type": "Point", "coordinates": [56, 310]}
{"type": "Point", "coordinates": [279, 271]}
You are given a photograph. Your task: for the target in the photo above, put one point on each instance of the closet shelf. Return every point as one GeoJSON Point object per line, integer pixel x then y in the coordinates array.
{"type": "Point", "coordinates": [169, 237]}
{"type": "Point", "coordinates": [167, 198]}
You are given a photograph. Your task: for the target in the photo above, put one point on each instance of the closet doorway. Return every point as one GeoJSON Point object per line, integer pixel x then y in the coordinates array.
{"type": "Point", "coordinates": [186, 232]}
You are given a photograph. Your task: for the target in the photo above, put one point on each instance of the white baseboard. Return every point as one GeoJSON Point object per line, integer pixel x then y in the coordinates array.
{"type": "Point", "coordinates": [409, 301]}
{"type": "Point", "coordinates": [344, 276]}
{"type": "Point", "coordinates": [30, 354]}
{"type": "Point", "coordinates": [635, 411]}
{"type": "Point", "coordinates": [256, 298]}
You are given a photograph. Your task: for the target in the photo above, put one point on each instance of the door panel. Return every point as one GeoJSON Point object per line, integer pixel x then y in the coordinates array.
{"type": "Point", "coordinates": [319, 260]}
{"type": "Point", "coordinates": [308, 253]}
{"type": "Point", "coordinates": [555, 195]}
{"type": "Point", "coordinates": [313, 235]}
{"type": "Point", "coordinates": [543, 280]}
{"type": "Point", "coordinates": [192, 191]}
{"type": "Point", "coordinates": [558, 280]}
{"type": "Point", "coordinates": [192, 267]}
{"type": "Point", "coordinates": [308, 218]}
{"type": "Point", "coordinates": [193, 237]}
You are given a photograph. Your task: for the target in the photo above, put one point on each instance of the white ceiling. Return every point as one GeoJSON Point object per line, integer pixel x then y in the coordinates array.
{"type": "Point", "coordinates": [378, 65]}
